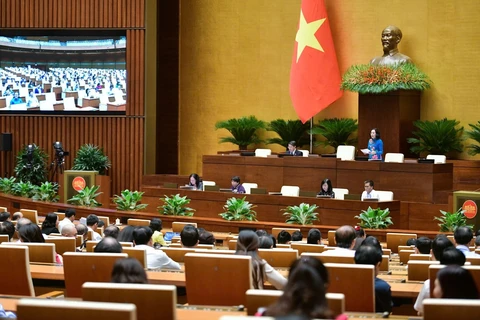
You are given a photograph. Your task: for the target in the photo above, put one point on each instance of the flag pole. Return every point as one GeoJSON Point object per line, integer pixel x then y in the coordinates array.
{"type": "Point", "coordinates": [311, 135]}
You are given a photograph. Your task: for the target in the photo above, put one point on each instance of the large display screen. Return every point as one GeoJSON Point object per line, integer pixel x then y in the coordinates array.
{"type": "Point", "coordinates": [54, 72]}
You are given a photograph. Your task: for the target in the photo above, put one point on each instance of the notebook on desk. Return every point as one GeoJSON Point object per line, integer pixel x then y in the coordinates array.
{"type": "Point", "coordinates": [352, 196]}
{"type": "Point", "coordinates": [275, 193]}
{"type": "Point", "coordinates": [225, 190]}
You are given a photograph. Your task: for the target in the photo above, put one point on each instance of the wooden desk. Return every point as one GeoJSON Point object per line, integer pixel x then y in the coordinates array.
{"type": "Point", "coordinates": [90, 102]}
{"type": "Point", "coordinates": [73, 94]}
{"type": "Point", "coordinates": [3, 102]}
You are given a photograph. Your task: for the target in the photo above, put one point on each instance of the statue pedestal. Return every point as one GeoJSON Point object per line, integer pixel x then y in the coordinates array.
{"type": "Point", "coordinates": [393, 114]}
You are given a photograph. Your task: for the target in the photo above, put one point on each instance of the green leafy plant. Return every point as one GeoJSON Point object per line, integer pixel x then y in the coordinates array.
{"type": "Point", "coordinates": [437, 137]}
{"type": "Point", "coordinates": [128, 200]}
{"type": "Point", "coordinates": [367, 78]}
{"type": "Point", "coordinates": [375, 218]}
{"type": "Point", "coordinates": [302, 214]}
{"type": "Point", "coordinates": [449, 221]}
{"type": "Point", "coordinates": [86, 197]}
{"type": "Point", "coordinates": [47, 191]}
{"type": "Point", "coordinates": [336, 131]}
{"type": "Point", "coordinates": [91, 158]}
{"type": "Point", "coordinates": [238, 209]}
{"type": "Point", "coordinates": [175, 205]}
{"type": "Point", "coordinates": [31, 165]}
{"type": "Point", "coordinates": [290, 130]}
{"type": "Point", "coordinates": [474, 134]}
{"type": "Point", "coordinates": [243, 131]}
{"type": "Point", "coordinates": [23, 189]}
{"type": "Point", "coordinates": [6, 184]}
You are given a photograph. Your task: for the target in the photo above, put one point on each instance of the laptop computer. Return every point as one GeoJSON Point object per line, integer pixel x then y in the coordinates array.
{"type": "Point", "coordinates": [258, 191]}
{"type": "Point", "coordinates": [423, 160]}
{"type": "Point", "coordinates": [361, 158]}
{"type": "Point", "coordinates": [281, 155]}
{"type": "Point", "coordinates": [169, 235]}
{"type": "Point", "coordinates": [370, 199]}
{"type": "Point", "coordinates": [247, 154]}
{"type": "Point", "coordinates": [352, 196]}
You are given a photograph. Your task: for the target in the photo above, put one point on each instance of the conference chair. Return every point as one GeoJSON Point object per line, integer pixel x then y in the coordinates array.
{"type": "Point", "coordinates": [42, 309]}
{"type": "Point", "coordinates": [394, 157]}
{"type": "Point", "coordinates": [4, 238]}
{"type": "Point", "coordinates": [290, 191]}
{"type": "Point", "coordinates": [82, 267]}
{"type": "Point", "coordinates": [435, 268]}
{"type": "Point", "coordinates": [418, 269]}
{"type": "Point", "coordinates": [137, 253]}
{"type": "Point", "coordinates": [283, 246]}
{"type": "Point", "coordinates": [178, 226]}
{"type": "Point", "coordinates": [37, 252]}
{"type": "Point", "coordinates": [305, 153]}
{"type": "Point", "coordinates": [278, 258]}
{"type": "Point", "coordinates": [214, 251]}
{"type": "Point", "coordinates": [46, 105]}
{"type": "Point", "coordinates": [208, 183]}
{"type": "Point", "coordinates": [385, 195]}
{"type": "Point", "coordinates": [419, 256]}
{"type": "Point", "coordinates": [346, 153]}
{"type": "Point", "coordinates": [69, 104]}
{"type": "Point", "coordinates": [232, 244]}
{"type": "Point", "coordinates": [470, 244]}
{"type": "Point", "coordinates": [396, 239]}
{"type": "Point", "coordinates": [138, 222]}
{"type": "Point", "coordinates": [15, 269]}
{"type": "Point", "coordinates": [340, 193]}
{"type": "Point", "coordinates": [213, 279]}
{"type": "Point", "coordinates": [249, 186]}
{"type": "Point", "coordinates": [303, 247]}
{"type": "Point", "coordinates": [3, 209]}
{"type": "Point", "coordinates": [60, 215]}
{"type": "Point", "coordinates": [475, 261]}
{"type": "Point", "coordinates": [90, 245]}
{"type": "Point", "coordinates": [146, 297]}
{"type": "Point", "coordinates": [263, 153]}
{"type": "Point", "coordinates": [329, 259]}
{"type": "Point", "coordinates": [105, 219]}
{"type": "Point", "coordinates": [404, 255]}
{"type": "Point", "coordinates": [437, 158]}
{"type": "Point", "coordinates": [63, 244]}
{"type": "Point", "coordinates": [31, 215]}
{"type": "Point", "coordinates": [447, 309]}
{"type": "Point", "coordinates": [331, 238]}
{"type": "Point", "coordinates": [276, 231]}
{"type": "Point", "coordinates": [178, 254]}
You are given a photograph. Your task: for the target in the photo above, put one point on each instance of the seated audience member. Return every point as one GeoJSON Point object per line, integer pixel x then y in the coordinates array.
{"type": "Point", "coordinates": [69, 231]}
{"type": "Point", "coordinates": [101, 224]}
{"type": "Point", "coordinates": [274, 240]}
{"type": "Point", "coordinates": [439, 245]}
{"type": "Point", "coordinates": [423, 245]}
{"type": "Point", "coordinates": [284, 237]}
{"type": "Point", "coordinates": [189, 236]}
{"type": "Point", "coordinates": [411, 242]}
{"type": "Point", "coordinates": [156, 259]}
{"type": "Point", "coordinates": [126, 234]}
{"type": "Point", "coordinates": [247, 245]}
{"type": "Point", "coordinates": [7, 227]}
{"type": "Point", "coordinates": [326, 189]}
{"type": "Point", "coordinates": [236, 186]}
{"type": "Point", "coordinates": [453, 256]}
{"type": "Point", "coordinates": [477, 242]}
{"type": "Point", "coordinates": [128, 270]}
{"type": "Point", "coordinates": [111, 231]}
{"type": "Point", "coordinates": [265, 242]}
{"type": "Point", "coordinates": [455, 282]}
{"type": "Point", "coordinates": [292, 149]}
{"type": "Point", "coordinates": [345, 241]}
{"type": "Point", "coordinates": [206, 237]}
{"type": "Point", "coordinates": [32, 233]}
{"type": "Point", "coordinates": [304, 293]}
{"type": "Point", "coordinates": [314, 236]}
{"type": "Point", "coordinates": [83, 231]}
{"type": "Point", "coordinates": [367, 254]}
{"type": "Point", "coordinates": [108, 245]}
{"type": "Point", "coordinates": [92, 225]}
{"type": "Point", "coordinates": [49, 225]}
{"type": "Point", "coordinates": [372, 241]}
{"type": "Point", "coordinates": [69, 218]}
{"type": "Point", "coordinates": [32, 100]}
{"type": "Point", "coordinates": [16, 99]}
{"type": "Point", "coordinates": [369, 192]}
{"type": "Point", "coordinates": [17, 215]}
{"type": "Point", "coordinates": [297, 236]}
{"type": "Point", "coordinates": [4, 216]}
{"type": "Point", "coordinates": [195, 182]}
{"type": "Point", "coordinates": [463, 236]}
{"type": "Point", "coordinates": [156, 226]}
{"type": "Point", "coordinates": [261, 233]}
{"type": "Point", "coordinates": [360, 233]}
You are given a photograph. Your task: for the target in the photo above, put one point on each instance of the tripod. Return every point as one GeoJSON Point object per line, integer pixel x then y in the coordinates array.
{"type": "Point", "coordinates": [57, 166]}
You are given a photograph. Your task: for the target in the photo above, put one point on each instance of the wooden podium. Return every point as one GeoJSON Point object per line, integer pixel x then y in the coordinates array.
{"type": "Point", "coordinates": [74, 180]}
{"type": "Point", "coordinates": [393, 113]}
{"type": "Point", "coordinates": [468, 201]}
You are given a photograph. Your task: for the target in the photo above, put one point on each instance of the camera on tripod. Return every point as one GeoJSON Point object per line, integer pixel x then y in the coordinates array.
{"type": "Point", "coordinates": [58, 163]}
{"type": "Point", "coordinates": [28, 156]}
{"type": "Point", "coordinates": [59, 152]}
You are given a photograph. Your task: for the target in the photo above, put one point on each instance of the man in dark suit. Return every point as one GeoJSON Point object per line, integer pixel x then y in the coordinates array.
{"type": "Point", "coordinates": [292, 149]}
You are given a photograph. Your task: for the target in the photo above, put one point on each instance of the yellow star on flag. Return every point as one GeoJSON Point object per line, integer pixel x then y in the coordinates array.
{"type": "Point", "coordinates": [306, 35]}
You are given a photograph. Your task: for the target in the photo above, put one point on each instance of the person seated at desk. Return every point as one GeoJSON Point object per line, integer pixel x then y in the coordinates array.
{"type": "Point", "coordinates": [7, 227]}
{"type": "Point", "coordinates": [189, 237]}
{"type": "Point", "coordinates": [345, 241]}
{"type": "Point", "coordinates": [292, 149]}
{"type": "Point", "coordinates": [455, 282]}
{"type": "Point", "coordinates": [92, 225]}
{"type": "Point", "coordinates": [156, 259]}
{"type": "Point", "coordinates": [91, 93]}
{"type": "Point", "coordinates": [236, 186]}
{"type": "Point", "coordinates": [314, 236]}
{"type": "Point", "coordinates": [38, 90]}
{"type": "Point", "coordinates": [195, 182]}
{"type": "Point", "coordinates": [369, 192]}
{"type": "Point", "coordinates": [326, 189]}
{"type": "Point", "coordinates": [128, 270]}
{"type": "Point", "coordinates": [156, 225]}
{"type": "Point", "coordinates": [375, 146]}
{"type": "Point", "coordinates": [32, 100]}
{"type": "Point", "coordinates": [8, 92]}
{"type": "Point", "coordinates": [30, 232]}
{"type": "Point", "coordinates": [16, 99]}
{"type": "Point", "coordinates": [462, 237]}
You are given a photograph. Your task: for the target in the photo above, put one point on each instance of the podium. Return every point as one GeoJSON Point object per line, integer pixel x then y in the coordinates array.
{"type": "Point", "coordinates": [72, 181]}
{"type": "Point", "coordinates": [468, 201]}
{"type": "Point", "coordinates": [393, 113]}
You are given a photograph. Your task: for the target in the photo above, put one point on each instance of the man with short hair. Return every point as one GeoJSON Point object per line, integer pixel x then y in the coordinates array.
{"type": "Point", "coordinates": [369, 192]}
{"type": "Point", "coordinates": [4, 216]}
{"type": "Point", "coordinates": [345, 241]}
{"type": "Point", "coordinates": [92, 225]}
{"type": "Point", "coordinates": [463, 236]}
{"type": "Point", "coordinates": [81, 229]}
{"type": "Point", "coordinates": [314, 236]}
{"type": "Point", "coordinates": [7, 227]}
{"type": "Point", "coordinates": [17, 215]}
{"type": "Point", "coordinates": [156, 259]}
{"type": "Point", "coordinates": [367, 254]}
{"type": "Point", "coordinates": [69, 231]}
{"type": "Point", "coordinates": [69, 218]}
{"type": "Point", "coordinates": [292, 149]}
{"type": "Point", "coordinates": [111, 231]}
{"type": "Point", "coordinates": [423, 245]}
{"type": "Point", "coordinates": [236, 185]}
{"type": "Point", "coordinates": [108, 245]}
{"type": "Point", "coordinates": [206, 238]}
{"type": "Point", "coordinates": [284, 237]}
{"type": "Point", "coordinates": [297, 236]}
{"type": "Point", "coordinates": [189, 236]}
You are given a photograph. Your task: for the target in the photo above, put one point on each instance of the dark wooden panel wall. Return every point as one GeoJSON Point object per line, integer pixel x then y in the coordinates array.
{"type": "Point", "coordinates": [122, 137]}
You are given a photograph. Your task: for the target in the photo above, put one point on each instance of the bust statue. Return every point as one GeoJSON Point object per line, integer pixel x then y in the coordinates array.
{"type": "Point", "coordinates": [391, 37]}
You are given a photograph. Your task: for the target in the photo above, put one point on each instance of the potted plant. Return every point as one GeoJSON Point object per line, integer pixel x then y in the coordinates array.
{"type": "Point", "coordinates": [128, 200]}
{"type": "Point", "coordinates": [437, 137]}
{"type": "Point", "coordinates": [31, 165]}
{"type": "Point", "coordinates": [86, 197]}
{"type": "Point", "coordinates": [175, 205]}
{"type": "Point", "coordinates": [449, 221]}
{"type": "Point", "coordinates": [336, 131]}
{"type": "Point", "coordinates": [375, 218]}
{"type": "Point", "coordinates": [474, 134]}
{"type": "Point", "coordinates": [238, 209]}
{"type": "Point", "coordinates": [47, 191]}
{"type": "Point", "coordinates": [23, 189]}
{"type": "Point", "coordinates": [243, 131]}
{"type": "Point", "coordinates": [303, 214]}
{"type": "Point", "coordinates": [290, 130]}
{"type": "Point", "coordinates": [91, 158]}
{"type": "Point", "coordinates": [6, 184]}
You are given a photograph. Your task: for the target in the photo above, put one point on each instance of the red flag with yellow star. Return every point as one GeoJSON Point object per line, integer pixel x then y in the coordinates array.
{"type": "Point", "coordinates": [315, 77]}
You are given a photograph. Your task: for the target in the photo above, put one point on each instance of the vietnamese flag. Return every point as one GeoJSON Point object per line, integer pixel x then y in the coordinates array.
{"type": "Point", "coordinates": [314, 78]}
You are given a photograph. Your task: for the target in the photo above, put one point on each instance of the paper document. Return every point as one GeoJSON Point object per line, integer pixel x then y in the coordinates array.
{"type": "Point", "coordinates": [365, 151]}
